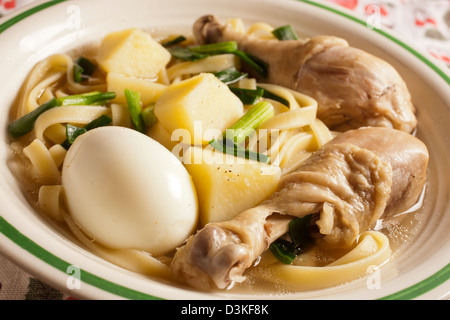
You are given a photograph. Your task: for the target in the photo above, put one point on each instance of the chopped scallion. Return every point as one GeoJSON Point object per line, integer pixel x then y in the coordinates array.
{"type": "Point", "coordinates": [230, 75]}
{"type": "Point", "coordinates": [83, 68]}
{"type": "Point", "coordinates": [72, 132]}
{"type": "Point", "coordinates": [257, 64]}
{"type": "Point", "coordinates": [78, 73]}
{"type": "Point", "coordinates": [186, 54]}
{"type": "Point", "coordinates": [299, 230]}
{"type": "Point", "coordinates": [229, 147]}
{"type": "Point", "coordinates": [216, 48]}
{"type": "Point", "coordinates": [174, 41]}
{"type": "Point", "coordinates": [25, 124]}
{"type": "Point", "coordinates": [135, 109]}
{"type": "Point", "coordinates": [238, 132]}
{"type": "Point", "coordinates": [270, 95]}
{"type": "Point", "coordinates": [203, 51]}
{"type": "Point", "coordinates": [300, 236]}
{"type": "Point", "coordinates": [283, 250]}
{"type": "Point", "coordinates": [248, 96]}
{"type": "Point", "coordinates": [90, 98]}
{"type": "Point", "coordinates": [101, 121]}
{"type": "Point", "coordinates": [285, 33]}
{"type": "Point", "coordinates": [149, 117]}
{"type": "Point", "coordinates": [251, 120]}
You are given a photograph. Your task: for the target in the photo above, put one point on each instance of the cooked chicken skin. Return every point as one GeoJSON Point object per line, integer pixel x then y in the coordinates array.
{"type": "Point", "coordinates": [353, 88]}
{"type": "Point", "coordinates": [349, 183]}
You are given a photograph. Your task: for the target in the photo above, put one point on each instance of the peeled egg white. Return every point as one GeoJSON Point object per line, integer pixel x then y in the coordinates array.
{"type": "Point", "coordinates": [126, 190]}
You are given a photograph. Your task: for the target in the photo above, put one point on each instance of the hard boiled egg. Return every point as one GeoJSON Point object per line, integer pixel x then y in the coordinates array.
{"type": "Point", "coordinates": [126, 190]}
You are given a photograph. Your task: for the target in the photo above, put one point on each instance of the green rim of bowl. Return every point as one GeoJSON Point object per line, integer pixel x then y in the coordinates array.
{"type": "Point", "coordinates": [21, 240]}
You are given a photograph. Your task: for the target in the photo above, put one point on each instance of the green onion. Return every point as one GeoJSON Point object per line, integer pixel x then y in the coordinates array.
{"type": "Point", "coordinates": [72, 132]}
{"type": "Point", "coordinates": [83, 68]}
{"type": "Point", "coordinates": [101, 121]}
{"type": "Point", "coordinates": [173, 42]}
{"type": "Point", "coordinates": [186, 54]}
{"type": "Point", "coordinates": [216, 48]}
{"type": "Point", "coordinates": [251, 120]}
{"type": "Point", "coordinates": [299, 230]}
{"type": "Point", "coordinates": [285, 33]}
{"type": "Point", "coordinates": [85, 99]}
{"type": "Point", "coordinates": [300, 236]}
{"type": "Point", "coordinates": [229, 147]}
{"type": "Point", "coordinates": [148, 116]}
{"type": "Point", "coordinates": [230, 75]}
{"type": "Point", "coordinates": [283, 250]}
{"type": "Point", "coordinates": [239, 131]}
{"type": "Point", "coordinates": [206, 50]}
{"type": "Point", "coordinates": [257, 64]}
{"type": "Point", "coordinates": [270, 95]}
{"type": "Point", "coordinates": [78, 73]}
{"type": "Point", "coordinates": [248, 96]}
{"type": "Point", "coordinates": [134, 107]}
{"type": "Point", "coordinates": [25, 124]}
{"type": "Point", "coordinates": [203, 51]}
{"type": "Point", "coordinates": [251, 96]}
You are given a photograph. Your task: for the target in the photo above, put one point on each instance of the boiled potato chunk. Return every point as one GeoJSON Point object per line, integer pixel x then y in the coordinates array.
{"type": "Point", "coordinates": [159, 133]}
{"type": "Point", "coordinates": [132, 52]}
{"type": "Point", "coordinates": [202, 105]}
{"type": "Point", "coordinates": [227, 185]}
{"type": "Point", "coordinates": [149, 90]}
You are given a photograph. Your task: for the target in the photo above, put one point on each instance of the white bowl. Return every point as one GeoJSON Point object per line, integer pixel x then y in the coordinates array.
{"type": "Point", "coordinates": [33, 33]}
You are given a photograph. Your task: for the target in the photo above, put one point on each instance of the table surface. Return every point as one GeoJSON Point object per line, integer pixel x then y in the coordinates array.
{"type": "Point", "coordinates": [423, 22]}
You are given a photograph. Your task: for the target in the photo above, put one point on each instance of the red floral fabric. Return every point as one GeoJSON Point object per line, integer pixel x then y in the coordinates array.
{"type": "Point", "coordinates": [425, 23]}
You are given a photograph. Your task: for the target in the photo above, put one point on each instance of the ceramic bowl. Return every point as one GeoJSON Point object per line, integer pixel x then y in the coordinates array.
{"type": "Point", "coordinates": [35, 32]}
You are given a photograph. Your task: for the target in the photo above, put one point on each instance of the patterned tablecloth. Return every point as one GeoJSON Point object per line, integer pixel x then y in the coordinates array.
{"type": "Point", "coordinates": [423, 22]}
